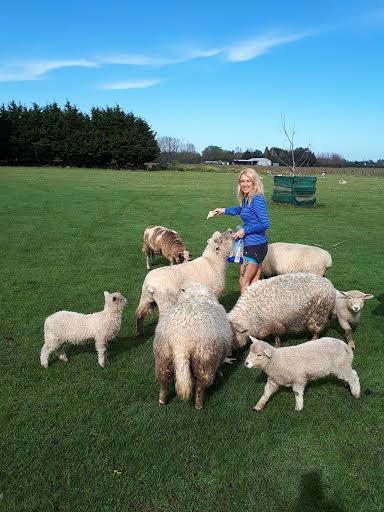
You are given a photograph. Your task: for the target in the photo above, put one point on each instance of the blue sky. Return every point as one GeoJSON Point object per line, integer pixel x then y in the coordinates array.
{"type": "Point", "coordinates": [220, 73]}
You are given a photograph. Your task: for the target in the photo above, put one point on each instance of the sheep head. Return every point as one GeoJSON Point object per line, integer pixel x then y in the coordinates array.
{"type": "Point", "coordinates": [221, 243]}
{"type": "Point", "coordinates": [260, 354]}
{"type": "Point", "coordinates": [355, 299]}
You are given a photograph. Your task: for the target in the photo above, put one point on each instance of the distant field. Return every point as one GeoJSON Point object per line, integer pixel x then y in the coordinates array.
{"type": "Point", "coordinates": [77, 437]}
{"type": "Point", "coordinates": [313, 171]}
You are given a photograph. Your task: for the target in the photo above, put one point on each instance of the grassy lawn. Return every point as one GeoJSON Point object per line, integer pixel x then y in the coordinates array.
{"type": "Point", "coordinates": [77, 437]}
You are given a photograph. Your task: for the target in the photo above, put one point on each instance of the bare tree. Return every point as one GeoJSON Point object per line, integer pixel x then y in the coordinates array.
{"type": "Point", "coordinates": [299, 157]}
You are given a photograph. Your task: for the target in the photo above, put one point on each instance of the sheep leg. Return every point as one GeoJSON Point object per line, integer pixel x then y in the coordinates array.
{"type": "Point", "coordinates": [349, 338]}
{"type": "Point", "coordinates": [199, 395]}
{"type": "Point", "coordinates": [143, 309]}
{"type": "Point", "coordinates": [229, 360]}
{"type": "Point", "coordinates": [101, 348]}
{"type": "Point", "coordinates": [148, 262]}
{"type": "Point", "coordinates": [44, 355]}
{"type": "Point", "coordinates": [298, 390]}
{"type": "Point", "coordinates": [270, 388]}
{"type": "Point", "coordinates": [277, 341]}
{"type": "Point", "coordinates": [351, 378]}
{"type": "Point", "coordinates": [164, 385]}
{"type": "Point", "coordinates": [62, 355]}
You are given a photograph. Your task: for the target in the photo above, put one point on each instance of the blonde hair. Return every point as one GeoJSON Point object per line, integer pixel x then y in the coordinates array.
{"type": "Point", "coordinates": [257, 189]}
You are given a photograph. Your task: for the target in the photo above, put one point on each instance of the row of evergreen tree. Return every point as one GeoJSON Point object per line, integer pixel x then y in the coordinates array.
{"type": "Point", "coordinates": [50, 135]}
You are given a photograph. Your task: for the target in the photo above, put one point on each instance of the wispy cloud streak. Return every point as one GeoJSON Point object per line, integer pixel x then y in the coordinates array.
{"type": "Point", "coordinates": [143, 84]}
{"type": "Point", "coordinates": [35, 70]}
{"type": "Point", "coordinates": [253, 48]}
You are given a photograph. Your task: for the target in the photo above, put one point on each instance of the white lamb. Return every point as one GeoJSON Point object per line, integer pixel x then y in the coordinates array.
{"type": "Point", "coordinates": [291, 303]}
{"type": "Point", "coordinates": [192, 339]}
{"type": "Point", "coordinates": [76, 328]}
{"type": "Point", "coordinates": [285, 258]}
{"type": "Point", "coordinates": [347, 311]}
{"type": "Point", "coordinates": [162, 285]}
{"type": "Point", "coordinates": [295, 366]}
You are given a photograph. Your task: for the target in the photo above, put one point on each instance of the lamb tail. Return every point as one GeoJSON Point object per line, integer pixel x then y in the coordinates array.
{"type": "Point", "coordinates": [183, 376]}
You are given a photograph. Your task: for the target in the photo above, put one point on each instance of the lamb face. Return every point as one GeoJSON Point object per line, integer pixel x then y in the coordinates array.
{"type": "Point", "coordinates": [260, 354]}
{"type": "Point", "coordinates": [355, 300]}
{"type": "Point", "coordinates": [115, 300]}
{"type": "Point", "coordinates": [221, 243]}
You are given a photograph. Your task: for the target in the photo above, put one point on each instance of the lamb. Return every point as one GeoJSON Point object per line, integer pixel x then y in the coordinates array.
{"type": "Point", "coordinates": [295, 366]}
{"type": "Point", "coordinates": [161, 286]}
{"type": "Point", "coordinates": [77, 329]}
{"type": "Point", "coordinates": [285, 258]}
{"type": "Point", "coordinates": [291, 303]}
{"type": "Point", "coordinates": [164, 241]}
{"type": "Point", "coordinates": [347, 311]}
{"type": "Point", "coordinates": [191, 340]}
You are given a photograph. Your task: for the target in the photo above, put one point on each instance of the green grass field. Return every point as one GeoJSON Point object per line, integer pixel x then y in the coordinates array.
{"type": "Point", "coordinates": [78, 438]}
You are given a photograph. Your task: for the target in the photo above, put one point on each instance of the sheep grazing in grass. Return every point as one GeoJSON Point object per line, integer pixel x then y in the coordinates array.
{"type": "Point", "coordinates": [161, 286]}
{"type": "Point", "coordinates": [291, 303]}
{"type": "Point", "coordinates": [75, 328]}
{"type": "Point", "coordinates": [347, 311]}
{"type": "Point", "coordinates": [285, 258]}
{"type": "Point", "coordinates": [166, 242]}
{"type": "Point", "coordinates": [191, 341]}
{"type": "Point", "coordinates": [295, 366]}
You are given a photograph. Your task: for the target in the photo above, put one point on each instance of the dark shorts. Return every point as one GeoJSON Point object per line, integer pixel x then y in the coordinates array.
{"type": "Point", "coordinates": [255, 253]}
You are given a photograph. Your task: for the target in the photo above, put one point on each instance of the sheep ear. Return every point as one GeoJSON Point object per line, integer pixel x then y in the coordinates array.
{"type": "Point", "coordinates": [238, 328]}
{"type": "Point", "coordinates": [344, 293]}
{"type": "Point", "coordinates": [106, 294]}
{"type": "Point", "coordinates": [253, 340]}
{"type": "Point", "coordinates": [368, 296]}
{"type": "Point", "coordinates": [268, 352]}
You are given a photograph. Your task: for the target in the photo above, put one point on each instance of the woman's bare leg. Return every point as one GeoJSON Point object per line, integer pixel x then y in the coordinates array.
{"type": "Point", "coordinates": [248, 271]}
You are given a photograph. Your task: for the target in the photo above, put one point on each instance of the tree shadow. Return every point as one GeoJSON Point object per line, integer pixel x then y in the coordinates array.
{"type": "Point", "coordinates": [312, 497]}
{"type": "Point", "coordinates": [379, 309]}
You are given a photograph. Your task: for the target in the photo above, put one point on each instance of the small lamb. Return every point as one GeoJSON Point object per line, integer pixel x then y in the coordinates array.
{"type": "Point", "coordinates": [295, 366]}
{"type": "Point", "coordinates": [165, 242]}
{"type": "Point", "coordinates": [347, 311]}
{"type": "Point", "coordinates": [77, 329]}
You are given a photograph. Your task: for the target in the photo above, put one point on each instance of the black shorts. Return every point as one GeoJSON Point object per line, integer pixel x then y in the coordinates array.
{"type": "Point", "coordinates": [255, 253]}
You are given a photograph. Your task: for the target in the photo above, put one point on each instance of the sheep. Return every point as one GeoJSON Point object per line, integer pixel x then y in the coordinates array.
{"type": "Point", "coordinates": [164, 241]}
{"type": "Point", "coordinates": [161, 285]}
{"type": "Point", "coordinates": [77, 329]}
{"type": "Point", "coordinates": [192, 339]}
{"type": "Point", "coordinates": [342, 182]}
{"type": "Point", "coordinates": [295, 366]}
{"type": "Point", "coordinates": [291, 303]}
{"type": "Point", "coordinates": [285, 258]}
{"type": "Point", "coordinates": [347, 311]}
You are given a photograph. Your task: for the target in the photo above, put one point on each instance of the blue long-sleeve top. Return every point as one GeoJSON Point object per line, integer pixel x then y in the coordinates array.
{"type": "Point", "coordinates": [255, 217]}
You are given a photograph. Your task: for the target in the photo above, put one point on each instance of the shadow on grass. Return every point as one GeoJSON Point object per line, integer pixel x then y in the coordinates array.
{"type": "Point", "coordinates": [379, 309]}
{"type": "Point", "coordinates": [312, 497]}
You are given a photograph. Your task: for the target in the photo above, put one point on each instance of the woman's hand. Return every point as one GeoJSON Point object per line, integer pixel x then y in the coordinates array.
{"type": "Point", "coordinates": [218, 211]}
{"type": "Point", "coordinates": [238, 234]}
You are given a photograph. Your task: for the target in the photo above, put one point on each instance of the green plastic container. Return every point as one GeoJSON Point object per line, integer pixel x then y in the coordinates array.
{"type": "Point", "coordinates": [296, 190]}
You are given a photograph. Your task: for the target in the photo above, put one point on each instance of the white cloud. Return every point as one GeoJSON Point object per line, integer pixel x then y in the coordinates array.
{"type": "Point", "coordinates": [250, 49]}
{"type": "Point", "coordinates": [143, 84]}
{"type": "Point", "coordinates": [35, 70]}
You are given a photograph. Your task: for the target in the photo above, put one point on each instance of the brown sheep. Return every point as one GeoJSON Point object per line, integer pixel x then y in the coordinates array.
{"type": "Point", "coordinates": [166, 242]}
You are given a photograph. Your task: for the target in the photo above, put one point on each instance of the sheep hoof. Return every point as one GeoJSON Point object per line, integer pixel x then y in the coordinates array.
{"type": "Point", "coordinates": [229, 360]}
{"type": "Point", "coordinates": [45, 366]}
{"type": "Point", "coordinates": [198, 407]}
{"type": "Point", "coordinates": [258, 407]}
{"type": "Point", "coordinates": [351, 344]}
{"type": "Point", "coordinates": [161, 402]}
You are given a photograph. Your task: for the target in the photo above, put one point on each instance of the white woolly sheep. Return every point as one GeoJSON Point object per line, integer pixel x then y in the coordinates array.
{"type": "Point", "coordinates": [76, 328]}
{"type": "Point", "coordinates": [295, 366]}
{"type": "Point", "coordinates": [192, 339]}
{"type": "Point", "coordinates": [285, 258]}
{"type": "Point", "coordinates": [161, 286]}
{"type": "Point", "coordinates": [166, 242]}
{"type": "Point", "coordinates": [347, 311]}
{"type": "Point", "coordinates": [291, 303]}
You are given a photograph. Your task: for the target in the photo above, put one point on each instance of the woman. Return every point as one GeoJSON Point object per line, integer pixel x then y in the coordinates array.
{"type": "Point", "coordinates": [253, 211]}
